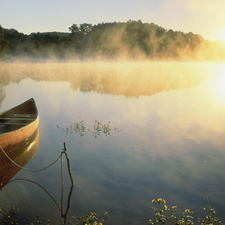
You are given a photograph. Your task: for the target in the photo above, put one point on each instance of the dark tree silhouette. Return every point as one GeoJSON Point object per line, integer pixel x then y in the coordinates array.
{"type": "Point", "coordinates": [3, 42]}
{"type": "Point", "coordinates": [109, 40]}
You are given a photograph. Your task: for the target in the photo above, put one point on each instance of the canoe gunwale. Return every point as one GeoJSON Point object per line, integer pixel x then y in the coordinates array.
{"type": "Point", "coordinates": [16, 136]}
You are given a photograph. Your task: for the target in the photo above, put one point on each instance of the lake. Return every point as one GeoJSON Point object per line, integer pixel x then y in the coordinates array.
{"type": "Point", "coordinates": [135, 131]}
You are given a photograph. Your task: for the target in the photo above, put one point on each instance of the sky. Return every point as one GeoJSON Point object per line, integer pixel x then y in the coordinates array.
{"type": "Point", "coordinates": [204, 17]}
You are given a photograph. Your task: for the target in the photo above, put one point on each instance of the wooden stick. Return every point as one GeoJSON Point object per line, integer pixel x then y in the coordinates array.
{"type": "Point", "coordinates": [68, 164]}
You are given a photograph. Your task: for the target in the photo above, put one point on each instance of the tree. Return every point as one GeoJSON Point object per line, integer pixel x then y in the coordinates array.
{"type": "Point", "coordinates": [85, 28]}
{"type": "Point", "coordinates": [74, 29]}
{"type": "Point", "coordinates": [3, 42]}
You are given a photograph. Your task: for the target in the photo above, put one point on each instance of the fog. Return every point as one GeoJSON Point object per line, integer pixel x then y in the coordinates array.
{"type": "Point", "coordinates": [125, 78]}
{"type": "Point", "coordinates": [128, 41]}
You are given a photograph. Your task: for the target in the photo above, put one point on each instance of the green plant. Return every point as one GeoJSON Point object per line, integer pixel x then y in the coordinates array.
{"type": "Point", "coordinates": [92, 219]}
{"type": "Point", "coordinates": [162, 214]}
{"type": "Point", "coordinates": [210, 217]}
{"type": "Point", "coordinates": [159, 210]}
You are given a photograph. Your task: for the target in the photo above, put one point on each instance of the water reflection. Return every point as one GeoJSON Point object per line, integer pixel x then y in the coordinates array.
{"type": "Point", "coordinates": [217, 87]}
{"type": "Point", "coordinates": [172, 142]}
{"type": "Point", "coordinates": [2, 93]}
{"type": "Point", "coordinates": [129, 79]}
{"type": "Point", "coordinates": [62, 208]}
{"type": "Point", "coordinates": [21, 155]}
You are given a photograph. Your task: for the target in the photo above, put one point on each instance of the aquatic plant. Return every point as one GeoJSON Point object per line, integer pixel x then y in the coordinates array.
{"type": "Point", "coordinates": [162, 214]}
{"type": "Point", "coordinates": [11, 217]}
{"type": "Point", "coordinates": [210, 214]}
{"type": "Point", "coordinates": [96, 128]}
{"type": "Point", "coordinates": [92, 219]}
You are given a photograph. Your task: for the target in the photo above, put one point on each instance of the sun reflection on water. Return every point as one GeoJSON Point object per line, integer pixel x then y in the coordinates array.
{"type": "Point", "coordinates": [218, 87]}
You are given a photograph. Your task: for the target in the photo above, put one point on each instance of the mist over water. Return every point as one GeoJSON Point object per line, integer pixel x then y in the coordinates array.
{"type": "Point", "coordinates": [171, 145]}
{"type": "Point", "coordinates": [120, 78]}
{"type": "Point", "coordinates": [115, 41]}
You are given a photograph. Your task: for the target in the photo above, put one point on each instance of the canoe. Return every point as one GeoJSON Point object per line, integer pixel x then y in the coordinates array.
{"type": "Point", "coordinates": [18, 124]}
{"type": "Point", "coordinates": [21, 154]}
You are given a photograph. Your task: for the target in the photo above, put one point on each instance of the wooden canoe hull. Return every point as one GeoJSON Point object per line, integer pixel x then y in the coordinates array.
{"type": "Point", "coordinates": [18, 124]}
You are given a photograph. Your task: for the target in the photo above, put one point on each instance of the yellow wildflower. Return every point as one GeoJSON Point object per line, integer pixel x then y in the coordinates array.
{"type": "Point", "coordinates": [161, 210]}
{"type": "Point", "coordinates": [159, 200]}
{"type": "Point", "coordinates": [174, 207]}
{"type": "Point", "coordinates": [100, 223]}
{"type": "Point", "coordinates": [165, 207]}
{"type": "Point", "coordinates": [164, 201]}
{"type": "Point", "coordinates": [187, 210]}
{"type": "Point", "coordinates": [214, 212]}
{"type": "Point", "coordinates": [153, 200]}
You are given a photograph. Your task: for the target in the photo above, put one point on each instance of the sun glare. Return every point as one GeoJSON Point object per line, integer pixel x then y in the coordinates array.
{"type": "Point", "coordinates": [222, 35]}
{"type": "Point", "coordinates": [219, 87]}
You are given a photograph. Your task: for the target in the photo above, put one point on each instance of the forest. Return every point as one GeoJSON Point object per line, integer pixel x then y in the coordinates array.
{"type": "Point", "coordinates": [131, 40]}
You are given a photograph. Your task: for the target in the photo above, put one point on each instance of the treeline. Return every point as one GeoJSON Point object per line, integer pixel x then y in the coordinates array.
{"type": "Point", "coordinates": [3, 41]}
{"type": "Point", "coordinates": [130, 40]}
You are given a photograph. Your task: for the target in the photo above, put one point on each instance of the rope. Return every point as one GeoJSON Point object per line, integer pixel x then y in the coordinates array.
{"type": "Point", "coordinates": [40, 187]}
{"type": "Point", "coordinates": [30, 169]}
{"type": "Point", "coordinates": [71, 178]}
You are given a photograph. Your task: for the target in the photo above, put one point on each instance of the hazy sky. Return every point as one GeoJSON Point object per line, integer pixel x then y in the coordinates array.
{"type": "Point", "coordinates": [205, 17]}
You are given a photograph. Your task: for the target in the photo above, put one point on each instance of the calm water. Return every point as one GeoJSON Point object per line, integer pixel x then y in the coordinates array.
{"type": "Point", "coordinates": [166, 139]}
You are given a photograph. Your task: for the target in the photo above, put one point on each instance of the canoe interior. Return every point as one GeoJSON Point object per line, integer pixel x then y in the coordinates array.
{"type": "Point", "coordinates": [18, 116]}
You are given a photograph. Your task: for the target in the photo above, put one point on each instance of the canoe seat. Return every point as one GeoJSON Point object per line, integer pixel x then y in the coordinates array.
{"type": "Point", "coordinates": [14, 118]}
{"type": "Point", "coordinates": [24, 115]}
{"type": "Point", "coordinates": [12, 123]}
{"type": "Point", "coordinates": [17, 119]}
